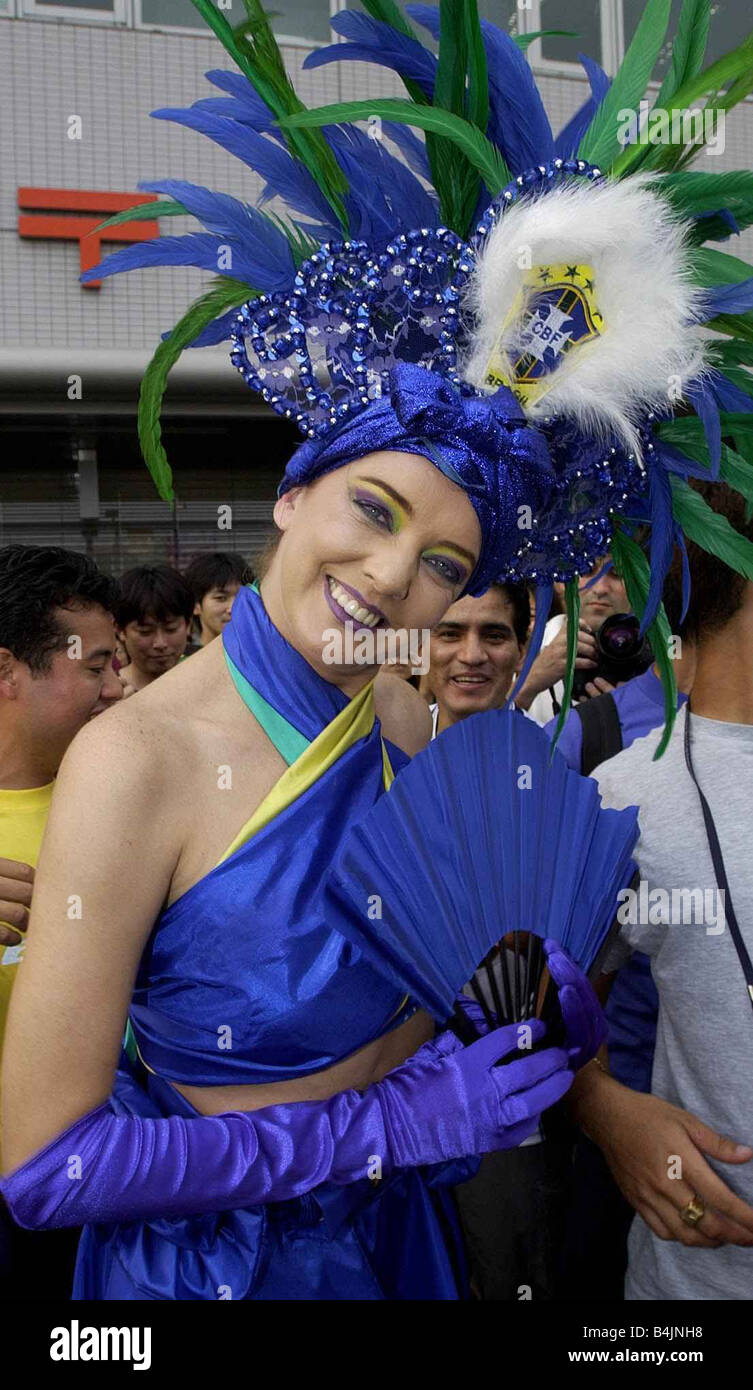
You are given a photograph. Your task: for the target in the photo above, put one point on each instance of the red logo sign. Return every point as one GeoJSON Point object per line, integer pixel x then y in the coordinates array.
{"type": "Point", "coordinates": [80, 228]}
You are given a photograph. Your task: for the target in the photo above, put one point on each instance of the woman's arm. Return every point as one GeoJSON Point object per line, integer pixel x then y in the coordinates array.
{"type": "Point", "coordinates": [109, 851]}
{"type": "Point", "coordinates": [403, 713]}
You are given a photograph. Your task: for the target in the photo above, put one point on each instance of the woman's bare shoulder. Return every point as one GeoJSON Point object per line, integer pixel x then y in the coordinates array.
{"type": "Point", "coordinates": [147, 738]}
{"type": "Point", "coordinates": [174, 699]}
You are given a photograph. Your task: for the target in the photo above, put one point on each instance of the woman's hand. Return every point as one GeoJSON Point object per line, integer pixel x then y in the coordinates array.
{"type": "Point", "coordinates": [582, 1014]}
{"type": "Point", "coordinates": [16, 883]}
{"type": "Point", "coordinates": [656, 1153]}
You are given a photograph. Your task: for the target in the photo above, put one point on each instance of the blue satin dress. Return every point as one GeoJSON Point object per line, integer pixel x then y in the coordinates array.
{"type": "Point", "coordinates": [241, 982]}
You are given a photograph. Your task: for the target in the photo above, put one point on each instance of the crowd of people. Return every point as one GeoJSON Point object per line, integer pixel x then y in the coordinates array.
{"type": "Point", "coordinates": [575, 1211]}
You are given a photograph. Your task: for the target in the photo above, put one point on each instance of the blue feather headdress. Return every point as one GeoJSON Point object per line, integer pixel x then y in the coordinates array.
{"type": "Point", "coordinates": [537, 314]}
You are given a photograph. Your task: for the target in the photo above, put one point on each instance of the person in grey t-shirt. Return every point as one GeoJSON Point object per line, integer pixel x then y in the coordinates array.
{"type": "Point", "coordinates": [690, 1141]}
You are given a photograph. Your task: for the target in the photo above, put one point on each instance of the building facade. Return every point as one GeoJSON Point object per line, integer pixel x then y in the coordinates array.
{"type": "Point", "coordinates": [77, 83]}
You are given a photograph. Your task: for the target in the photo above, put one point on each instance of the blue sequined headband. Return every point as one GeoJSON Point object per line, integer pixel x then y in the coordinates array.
{"type": "Point", "coordinates": [362, 354]}
{"type": "Point", "coordinates": [483, 446]}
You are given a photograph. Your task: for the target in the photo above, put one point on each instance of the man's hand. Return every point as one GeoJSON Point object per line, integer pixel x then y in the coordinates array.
{"type": "Point", "coordinates": [551, 663]}
{"type": "Point", "coordinates": [656, 1153]}
{"type": "Point", "coordinates": [16, 882]}
{"type": "Point", "coordinates": [599, 686]}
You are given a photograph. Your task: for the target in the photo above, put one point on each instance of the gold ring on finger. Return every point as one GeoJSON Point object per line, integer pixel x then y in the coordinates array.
{"type": "Point", "coordinates": [693, 1210]}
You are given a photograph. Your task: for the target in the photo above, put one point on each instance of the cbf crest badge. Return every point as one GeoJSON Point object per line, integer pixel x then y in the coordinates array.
{"type": "Point", "coordinates": [553, 313]}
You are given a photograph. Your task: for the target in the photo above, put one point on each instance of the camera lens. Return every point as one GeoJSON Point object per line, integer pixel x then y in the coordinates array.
{"type": "Point", "coordinates": [618, 637]}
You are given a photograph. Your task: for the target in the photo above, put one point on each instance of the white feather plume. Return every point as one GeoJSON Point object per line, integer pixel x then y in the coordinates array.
{"type": "Point", "coordinates": [637, 247]}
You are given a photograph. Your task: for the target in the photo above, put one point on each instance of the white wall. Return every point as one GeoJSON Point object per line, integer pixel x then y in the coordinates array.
{"type": "Point", "coordinates": [112, 78]}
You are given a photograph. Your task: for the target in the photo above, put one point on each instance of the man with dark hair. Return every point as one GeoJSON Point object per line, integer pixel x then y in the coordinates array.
{"type": "Point", "coordinates": [598, 728]}
{"type": "Point", "coordinates": [214, 581]}
{"type": "Point", "coordinates": [602, 595]}
{"type": "Point", "coordinates": [693, 916]}
{"type": "Point", "coordinates": [56, 647]}
{"type": "Point", "coordinates": [153, 610]}
{"type": "Point", "coordinates": [476, 650]}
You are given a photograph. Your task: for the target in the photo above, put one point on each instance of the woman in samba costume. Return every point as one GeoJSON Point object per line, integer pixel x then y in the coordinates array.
{"type": "Point", "coordinates": [287, 1117]}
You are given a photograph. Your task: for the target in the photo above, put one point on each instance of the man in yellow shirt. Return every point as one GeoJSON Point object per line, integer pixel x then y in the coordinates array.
{"type": "Point", "coordinates": [56, 647]}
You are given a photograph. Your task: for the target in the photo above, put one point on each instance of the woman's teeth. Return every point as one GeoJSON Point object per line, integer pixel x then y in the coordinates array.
{"type": "Point", "coordinates": [351, 605]}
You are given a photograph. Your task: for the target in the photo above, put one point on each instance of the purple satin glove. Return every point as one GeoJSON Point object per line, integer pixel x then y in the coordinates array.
{"type": "Point", "coordinates": [473, 1012]}
{"type": "Point", "coordinates": [446, 1102]}
{"type": "Point", "coordinates": [461, 1103]}
{"type": "Point", "coordinates": [585, 1025]}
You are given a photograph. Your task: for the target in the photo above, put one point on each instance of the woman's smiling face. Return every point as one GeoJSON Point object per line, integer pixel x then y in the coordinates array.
{"type": "Point", "coordinates": [386, 541]}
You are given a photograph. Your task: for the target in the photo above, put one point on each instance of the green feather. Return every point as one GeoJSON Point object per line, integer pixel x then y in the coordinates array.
{"type": "Point", "coordinates": [142, 212]}
{"type": "Point", "coordinates": [600, 144]}
{"type": "Point", "coordinates": [738, 472]}
{"type": "Point", "coordinates": [449, 177]}
{"type": "Point", "coordinates": [733, 67]}
{"type": "Point", "coordinates": [389, 13]}
{"type": "Point", "coordinates": [712, 267]}
{"type": "Point", "coordinates": [449, 88]}
{"type": "Point", "coordinates": [735, 325]}
{"type": "Point", "coordinates": [737, 375]}
{"type": "Point", "coordinates": [458, 185]}
{"type": "Point", "coordinates": [730, 352]}
{"type": "Point", "coordinates": [301, 245]}
{"type": "Point", "coordinates": [633, 568]}
{"type": "Point", "coordinates": [202, 312]}
{"type": "Point", "coordinates": [737, 91]}
{"type": "Point", "coordinates": [737, 422]}
{"type": "Point", "coordinates": [524, 40]}
{"type": "Point", "coordinates": [713, 227]}
{"type": "Point", "coordinates": [220, 27]}
{"type": "Point", "coordinates": [572, 609]}
{"type": "Point", "coordinates": [689, 436]}
{"type": "Point", "coordinates": [696, 193]}
{"type": "Point", "coordinates": [478, 75]}
{"type": "Point", "coordinates": [688, 47]}
{"type": "Point", "coordinates": [709, 530]}
{"type": "Point", "coordinates": [479, 151]}
{"type": "Point", "coordinates": [255, 50]}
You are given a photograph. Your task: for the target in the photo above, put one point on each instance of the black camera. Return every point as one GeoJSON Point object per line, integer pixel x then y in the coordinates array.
{"type": "Point", "coordinates": [621, 653]}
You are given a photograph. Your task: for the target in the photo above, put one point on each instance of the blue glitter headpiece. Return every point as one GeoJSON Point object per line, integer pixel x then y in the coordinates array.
{"type": "Point", "coordinates": [489, 298]}
{"type": "Point", "coordinates": [331, 355]}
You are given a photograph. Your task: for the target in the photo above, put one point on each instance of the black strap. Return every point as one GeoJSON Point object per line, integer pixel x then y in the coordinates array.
{"type": "Point", "coordinates": [602, 731]}
{"type": "Point", "coordinates": [721, 874]}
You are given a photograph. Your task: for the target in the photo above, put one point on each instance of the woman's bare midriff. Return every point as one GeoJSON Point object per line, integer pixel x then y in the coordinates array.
{"type": "Point", "coordinates": [358, 1071]}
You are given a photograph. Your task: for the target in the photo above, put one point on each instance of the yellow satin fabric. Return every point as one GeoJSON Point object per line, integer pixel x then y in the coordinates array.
{"type": "Point", "coordinates": [355, 721]}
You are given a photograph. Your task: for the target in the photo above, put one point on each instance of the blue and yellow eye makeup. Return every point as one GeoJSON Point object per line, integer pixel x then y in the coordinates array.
{"type": "Point", "coordinates": [447, 564]}
{"type": "Point", "coordinates": [382, 499]}
{"type": "Point", "coordinates": [380, 504]}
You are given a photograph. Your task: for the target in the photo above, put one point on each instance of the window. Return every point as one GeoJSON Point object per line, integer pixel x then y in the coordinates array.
{"type": "Point", "coordinates": [304, 21]}
{"type": "Point", "coordinates": [101, 7]}
{"type": "Point", "coordinates": [583, 17]}
{"type": "Point", "coordinates": [589, 22]}
{"type": "Point", "coordinates": [105, 10]}
{"type": "Point", "coordinates": [301, 19]}
{"type": "Point", "coordinates": [730, 23]}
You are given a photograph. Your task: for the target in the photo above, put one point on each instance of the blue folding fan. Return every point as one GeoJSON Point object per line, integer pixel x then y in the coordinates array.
{"type": "Point", "coordinates": [486, 845]}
